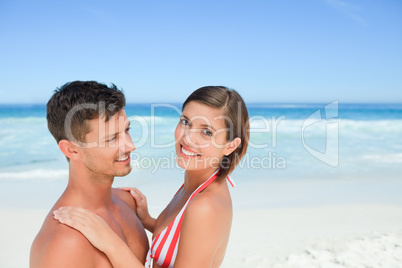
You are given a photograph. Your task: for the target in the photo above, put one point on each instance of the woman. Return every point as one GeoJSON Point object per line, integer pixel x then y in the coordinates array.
{"type": "Point", "coordinates": [193, 230]}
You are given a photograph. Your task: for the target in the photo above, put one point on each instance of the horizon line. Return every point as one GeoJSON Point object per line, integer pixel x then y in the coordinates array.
{"type": "Point", "coordinates": [247, 102]}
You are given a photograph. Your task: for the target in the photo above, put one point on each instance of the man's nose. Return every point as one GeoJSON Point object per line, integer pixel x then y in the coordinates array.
{"type": "Point", "coordinates": [127, 144]}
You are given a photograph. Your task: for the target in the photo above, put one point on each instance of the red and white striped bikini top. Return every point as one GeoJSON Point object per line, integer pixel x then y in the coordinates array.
{"type": "Point", "coordinates": [164, 246]}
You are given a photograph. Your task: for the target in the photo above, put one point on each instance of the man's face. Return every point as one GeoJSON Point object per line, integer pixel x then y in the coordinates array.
{"type": "Point", "coordinates": [109, 146]}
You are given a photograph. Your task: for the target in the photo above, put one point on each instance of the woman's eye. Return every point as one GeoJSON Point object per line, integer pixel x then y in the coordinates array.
{"type": "Point", "coordinates": [111, 139]}
{"type": "Point", "coordinates": [184, 122]}
{"type": "Point", "coordinates": [207, 132]}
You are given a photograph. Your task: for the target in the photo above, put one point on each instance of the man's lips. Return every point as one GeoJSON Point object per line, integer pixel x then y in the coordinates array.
{"type": "Point", "coordinates": [123, 159]}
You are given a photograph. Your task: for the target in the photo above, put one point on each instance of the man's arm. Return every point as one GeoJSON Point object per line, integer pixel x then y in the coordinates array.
{"type": "Point", "coordinates": [65, 248]}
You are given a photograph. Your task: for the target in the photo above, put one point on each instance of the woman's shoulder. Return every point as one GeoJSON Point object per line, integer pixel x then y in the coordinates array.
{"type": "Point", "coordinates": [210, 203]}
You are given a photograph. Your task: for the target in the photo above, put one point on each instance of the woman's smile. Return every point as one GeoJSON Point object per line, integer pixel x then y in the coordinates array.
{"type": "Point", "coordinates": [187, 152]}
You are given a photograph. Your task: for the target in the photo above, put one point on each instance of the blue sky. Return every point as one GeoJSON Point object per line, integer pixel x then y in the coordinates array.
{"type": "Point", "coordinates": [270, 51]}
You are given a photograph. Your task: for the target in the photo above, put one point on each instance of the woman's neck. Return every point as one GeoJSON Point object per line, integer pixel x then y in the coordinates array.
{"type": "Point", "coordinates": [194, 178]}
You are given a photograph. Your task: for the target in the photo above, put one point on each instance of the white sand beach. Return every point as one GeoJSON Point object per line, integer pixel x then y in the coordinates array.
{"type": "Point", "coordinates": [327, 236]}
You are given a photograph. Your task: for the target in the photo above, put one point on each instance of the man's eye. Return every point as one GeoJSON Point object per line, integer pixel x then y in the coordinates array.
{"type": "Point", "coordinates": [112, 139]}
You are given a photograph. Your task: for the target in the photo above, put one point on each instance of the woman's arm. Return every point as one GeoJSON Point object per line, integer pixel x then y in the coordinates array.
{"type": "Point", "coordinates": [101, 236]}
{"type": "Point", "coordinates": [142, 208]}
{"type": "Point", "coordinates": [204, 234]}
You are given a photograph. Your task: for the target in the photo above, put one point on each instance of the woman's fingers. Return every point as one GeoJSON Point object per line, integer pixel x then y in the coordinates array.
{"type": "Point", "coordinates": [92, 226]}
{"type": "Point", "coordinates": [127, 189]}
{"type": "Point", "coordinates": [70, 211]}
{"type": "Point", "coordinates": [135, 195]}
{"type": "Point", "coordinates": [73, 221]}
{"type": "Point", "coordinates": [130, 189]}
{"type": "Point", "coordinates": [75, 216]}
{"type": "Point", "coordinates": [140, 203]}
{"type": "Point", "coordinates": [71, 217]}
{"type": "Point", "coordinates": [138, 194]}
{"type": "Point", "coordinates": [140, 199]}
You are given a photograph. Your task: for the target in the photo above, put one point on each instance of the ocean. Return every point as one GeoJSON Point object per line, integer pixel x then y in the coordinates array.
{"type": "Point", "coordinates": [290, 143]}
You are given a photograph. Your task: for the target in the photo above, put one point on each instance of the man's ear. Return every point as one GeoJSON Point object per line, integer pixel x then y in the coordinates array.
{"type": "Point", "coordinates": [232, 145]}
{"type": "Point", "coordinates": [68, 149]}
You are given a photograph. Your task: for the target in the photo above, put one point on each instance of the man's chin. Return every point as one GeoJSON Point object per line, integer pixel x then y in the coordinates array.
{"type": "Point", "coordinates": [123, 173]}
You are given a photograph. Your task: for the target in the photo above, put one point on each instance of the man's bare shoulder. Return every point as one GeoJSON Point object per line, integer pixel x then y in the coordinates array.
{"type": "Point", "coordinates": [125, 197]}
{"type": "Point", "coordinates": [58, 245]}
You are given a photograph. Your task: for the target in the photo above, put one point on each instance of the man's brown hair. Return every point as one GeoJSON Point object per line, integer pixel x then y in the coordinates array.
{"type": "Point", "coordinates": [76, 102]}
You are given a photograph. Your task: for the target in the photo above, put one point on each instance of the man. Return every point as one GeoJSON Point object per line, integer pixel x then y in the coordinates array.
{"type": "Point", "coordinates": [90, 125]}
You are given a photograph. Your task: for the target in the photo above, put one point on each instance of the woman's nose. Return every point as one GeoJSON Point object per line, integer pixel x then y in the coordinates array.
{"type": "Point", "coordinates": [190, 137]}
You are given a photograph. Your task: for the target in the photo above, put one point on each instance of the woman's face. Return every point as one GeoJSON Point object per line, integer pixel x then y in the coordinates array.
{"type": "Point", "coordinates": [201, 137]}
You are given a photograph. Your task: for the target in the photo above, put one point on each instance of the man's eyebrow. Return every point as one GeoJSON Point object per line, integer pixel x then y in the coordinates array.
{"type": "Point", "coordinates": [114, 134]}
{"type": "Point", "coordinates": [110, 136]}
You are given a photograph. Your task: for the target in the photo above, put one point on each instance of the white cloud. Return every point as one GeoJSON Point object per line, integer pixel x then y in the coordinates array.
{"type": "Point", "coordinates": [352, 11]}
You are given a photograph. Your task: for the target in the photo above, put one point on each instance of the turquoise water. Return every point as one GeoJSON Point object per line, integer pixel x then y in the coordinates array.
{"type": "Point", "coordinates": [288, 142]}
{"type": "Point", "coordinates": [354, 111]}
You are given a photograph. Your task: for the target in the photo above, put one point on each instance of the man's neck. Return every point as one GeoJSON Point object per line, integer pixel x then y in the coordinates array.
{"type": "Point", "coordinates": [90, 190]}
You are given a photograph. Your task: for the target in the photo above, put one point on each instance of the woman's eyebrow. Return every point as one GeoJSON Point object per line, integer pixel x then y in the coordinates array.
{"type": "Point", "coordinates": [208, 126]}
{"type": "Point", "coordinates": [203, 125]}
